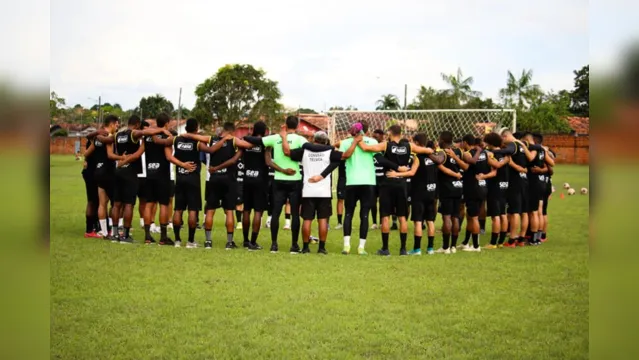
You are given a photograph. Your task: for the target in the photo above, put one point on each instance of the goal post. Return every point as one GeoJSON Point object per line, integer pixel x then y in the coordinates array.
{"type": "Point", "coordinates": [431, 122]}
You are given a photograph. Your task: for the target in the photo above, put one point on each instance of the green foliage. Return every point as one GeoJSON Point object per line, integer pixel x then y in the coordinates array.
{"type": "Point", "coordinates": [238, 91]}
{"type": "Point", "coordinates": [519, 92]}
{"type": "Point", "coordinates": [341, 108]}
{"type": "Point", "coordinates": [460, 88]}
{"type": "Point", "coordinates": [56, 105]}
{"type": "Point", "coordinates": [306, 111]}
{"type": "Point", "coordinates": [546, 114]}
{"type": "Point", "coordinates": [60, 133]}
{"type": "Point", "coordinates": [430, 98]}
{"type": "Point", "coordinates": [184, 114]}
{"type": "Point", "coordinates": [388, 102]}
{"type": "Point", "coordinates": [151, 106]}
{"type": "Point", "coordinates": [580, 95]}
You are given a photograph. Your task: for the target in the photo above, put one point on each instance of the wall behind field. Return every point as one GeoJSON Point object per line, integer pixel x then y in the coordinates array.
{"type": "Point", "coordinates": [65, 145]}
{"type": "Point", "coordinates": [569, 149]}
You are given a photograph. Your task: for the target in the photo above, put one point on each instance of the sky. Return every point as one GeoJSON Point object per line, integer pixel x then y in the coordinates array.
{"type": "Point", "coordinates": [321, 53]}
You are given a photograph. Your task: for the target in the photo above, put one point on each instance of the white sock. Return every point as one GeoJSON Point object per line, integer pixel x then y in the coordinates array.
{"type": "Point", "coordinates": [103, 226]}
{"type": "Point", "coordinates": [347, 241]}
{"type": "Point", "coordinates": [287, 222]}
{"type": "Point", "coordinates": [121, 223]}
{"type": "Point", "coordinates": [141, 222]}
{"type": "Point", "coordinates": [362, 243]}
{"type": "Point", "coordinates": [268, 219]}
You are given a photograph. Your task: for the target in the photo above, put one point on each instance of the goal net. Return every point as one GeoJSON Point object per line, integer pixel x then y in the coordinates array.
{"type": "Point", "coordinates": [431, 122]}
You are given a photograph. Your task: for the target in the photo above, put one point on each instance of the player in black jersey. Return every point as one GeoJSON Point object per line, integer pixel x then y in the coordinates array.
{"type": "Point", "coordinates": [378, 135]}
{"type": "Point", "coordinates": [475, 187]}
{"type": "Point", "coordinates": [271, 178]}
{"type": "Point", "coordinates": [537, 169]}
{"type": "Point", "coordinates": [497, 189]}
{"type": "Point", "coordinates": [91, 188]}
{"type": "Point", "coordinates": [550, 163]}
{"type": "Point", "coordinates": [424, 191]}
{"type": "Point", "coordinates": [341, 192]}
{"type": "Point", "coordinates": [393, 192]}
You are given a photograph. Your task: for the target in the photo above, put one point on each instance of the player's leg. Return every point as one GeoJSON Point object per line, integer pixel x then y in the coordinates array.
{"type": "Point", "coordinates": [259, 203]}
{"type": "Point", "coordinates": [492, 211]}
{"type": "Point", "coordinates": [213, 202]}
{"type": "Point", "coordinates": [194, 204]}
{"type": "Point", "coordinates": [178, 208]}
{"type": "Point", "coordinates": [279, 201]}
{"type": "Point", "coordinates": [514, 218]}
{"type": "Point", "coordinates": [365, 196]}
{"type": "Point", "coordinates": [374, 207]}
{"type": "Point", "coordinates": [248, 205]}
{"type": "Point", "coordinates": [287, 216]}
{"type": "Point", "coordinates": [417, 217]}
{"type": "Point", "coordinates": [341, 193]}
{"type": "Point", "coordinates": [91, 215]}
{"type": "Point", "coordinates": [430, 215]}
{"type": "Point", "coordinates": [544, 213]}
{"type": "Point", "coordinates": [269, 207]}
{"type": "Point", "coordinates": [130, 196]}
{"type": "Point", "coordinates": [295, 198]}
{"type": "Point", "coordinates": [116, 210]}
{"type": "Point", "coordinates": [457, 221]}
{"type": "Point", "coordinates": [324, 212]}
{"type": "Point", "coordinates": [308, 214]}
{"type": "Point", "coordinates": [447, 212]}
{"type": "Point", "coordinates": [472, 211]}
{"type": "Point", "coordinates": [482, 217]}
{"type": "Point", "coordinates": [142, 196]}
{"type": "Point", "coordinates": [385, 212]}
{"type": "Point", "coordinates": [229, 203]}
{"type": "Point", "coordinates": [401, 210]}
{"type": "Point", "coordinates": [350, 202]}
{"type": "Point", "coordinates": [239, 208]}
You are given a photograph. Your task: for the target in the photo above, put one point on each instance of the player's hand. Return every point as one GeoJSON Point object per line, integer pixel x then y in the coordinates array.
{"type": "Point", "coordinates": [212, 169]}
{"type": "Point", "coordinates": [479, 176]}
{"type": "Point", "coordinates": [392, 173]}
{"type": "Point", "coordinates": [449, 152]}
{"type": "Point", "coordinates": [166, 132]}
{"type": "Point", "coordinates": [403, 169]}
{"type": "Point", "coordinates": [459, 176]}
{"type": "Point", "coordinates": [315, 179]}
{"type": "Point", "coordinates": [358, 138]}
{"type": "Point", "coordinates": [283, 132]}
{"type": "Point", "coordinates": [289, 172]}
{"type": "Point", "coordinates": [523, 170]}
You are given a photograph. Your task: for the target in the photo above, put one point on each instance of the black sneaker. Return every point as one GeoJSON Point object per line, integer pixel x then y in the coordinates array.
{"type": "Point", "coordinates": [306, 250]}
{"type": "Point", "coordinates": [166, 242]}
{"type": "Point", "coordinates": [383, 252]}
{"type": "Point", "coordinates": [254, 247]}
{"type": "Point", "coordinates": [149, 240]}
{"type": "Point", "coordinates": [126, 240]}
{"type": "Point", "coordinates": [208, 244]}
{"type": "Point", "coordinates": [394, 226]}
{"type": "Point", "coordinates": [403, 252]}
{"type": "Point", "coordinates": [199, 226]}
{"type": "Point", "coordinates": [246, 244]}
{"type": "Point", "coordinates": [231, 245]}
{"type": "Point", "coordinates": [295, 249]}
{"type": "Point", "coordinates": [322, 251]}
{"type": "Point", "coordinates": [112, 238]}
{"type": "Point", "coordinates": [274, 248]}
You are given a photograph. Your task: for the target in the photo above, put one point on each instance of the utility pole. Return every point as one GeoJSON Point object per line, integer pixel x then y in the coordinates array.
{"type": "Point", "coordinates": [179, 111]}
{"type": "Point", "coordinates": [405, 92]}
{"type": "Point", "coordinates": [100, 111]}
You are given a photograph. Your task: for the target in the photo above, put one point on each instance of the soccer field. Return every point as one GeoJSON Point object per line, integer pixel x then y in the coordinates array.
{"type": "Point", "coordinates": [111, 301]}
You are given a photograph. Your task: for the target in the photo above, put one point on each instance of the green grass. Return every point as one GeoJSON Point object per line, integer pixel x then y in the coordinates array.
{"type": "Point", "coordinates": [133, 302]}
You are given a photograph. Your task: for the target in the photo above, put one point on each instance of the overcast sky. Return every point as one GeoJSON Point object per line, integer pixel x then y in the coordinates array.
{"type": "Point", "coordinates": [322, 53]}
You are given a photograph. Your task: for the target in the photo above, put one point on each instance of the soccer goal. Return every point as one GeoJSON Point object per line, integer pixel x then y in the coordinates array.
{"type": "Point", "coordinates": [431, 122]}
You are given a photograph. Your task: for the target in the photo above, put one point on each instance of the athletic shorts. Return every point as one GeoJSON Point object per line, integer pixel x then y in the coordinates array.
{"type": "Point", "coordinates": [188, 195]}
{"type": "Point", "coordinates": [172, 192]}
{"type": "Point", "coordinates": [142, 189]}
{"type": "Point", "coordinates": [239, 193]}
{"type": "Point", "coordinates": [536, 192]}
{"type": "Point", "coordinates": [320, 207]}
{"type": "Point", "coordinates": [423, 209]}
{"type": "Point", "coordinates": [91, 188]}
{"type": "Point", "coordinates": [496, 204]}
{"type": "Point", "coordinates": [517, 199]}
{"type": "Point", "coordinates": [364, 194]}
{"type": "Point", "coordinates": [341, 189]}
{"type": "Point", "coordinates": [287, 190]}
{"type": "Point", "coordinates": [450, 206]}
{"type": "Point", "coordinates": [255, 197]}
{"type": "Point", "coordinates": [125, 189]}
{"type": "Point", "coordinates": [473, 207]}
{"type": "Point", "coordinates": [221, 194]}
{"type": "Point", "coordinates": [105, 181]}
{"type": "Point", "coordinates": [158, 190]}
{"type": "Point", "coordinates": [393, 200]}
{"type": "Point", "coordinates": [409, 197]}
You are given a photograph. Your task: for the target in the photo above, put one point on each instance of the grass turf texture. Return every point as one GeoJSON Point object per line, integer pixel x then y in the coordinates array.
{"type": "Point", "coordinates": [132, 302]}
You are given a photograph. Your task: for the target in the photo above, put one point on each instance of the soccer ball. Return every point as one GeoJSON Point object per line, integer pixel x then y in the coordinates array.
{"type": "Point", "coordinates": [584, 191]}
{"type": "Point", "coordinates": [566, 186]}
{"type": "Point", "coordinates": [356, 128]}
{"type": "Point", "coordinates": [571, 191]}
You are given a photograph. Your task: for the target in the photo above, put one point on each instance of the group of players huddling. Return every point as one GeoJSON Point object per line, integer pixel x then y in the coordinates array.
{"type": "Point", "coordinates": [506, 177]}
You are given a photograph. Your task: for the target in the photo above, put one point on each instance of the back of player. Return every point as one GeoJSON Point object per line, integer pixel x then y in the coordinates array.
{"type": "Point", "coordinates": [423, 197]}
{"type": "Point", "coordinates": [256, 188]}
{"type": "Point", "coordinates": [188, 194]}
{"type": "Point", "coordinates": [450, 191]}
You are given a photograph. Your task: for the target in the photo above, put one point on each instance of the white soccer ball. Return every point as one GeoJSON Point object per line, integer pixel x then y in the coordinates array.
{"type": "Point", "coordinates": [571, 191]}
{"type": "Point", "coordinates": [566, 186]}
{"type": "Point", "coordinates": [584, 191]}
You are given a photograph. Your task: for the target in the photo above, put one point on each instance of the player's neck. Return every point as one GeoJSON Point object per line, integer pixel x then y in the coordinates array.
{"type": "Point", "coordinates": [396, 138]}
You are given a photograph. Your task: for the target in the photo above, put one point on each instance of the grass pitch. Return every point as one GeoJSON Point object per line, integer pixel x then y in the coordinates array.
{"type": "Point", "coordinates": [111, 301]}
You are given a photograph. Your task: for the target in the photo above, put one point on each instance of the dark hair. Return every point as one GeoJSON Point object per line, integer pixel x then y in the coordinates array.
{"type": "Point", "coordinates": [493, 139]}
{"type": "Point", "coordinates": [364, 126]}
{"type": "Point", "coordinates": [228, 126]}
{"type": "Point", "coordinates": [517, 135]}
{"type": "Point", "coordinates": [469, 139]}
{"type": "Point", "coordinates": [259, 128]}
{"type": "Point", "coordinates": [457, 140]}
{"type": "Point", "coordinates": [430, 144]}
{"type": "Point", "coordinates": [191, 125]}
{"type": "Point", "coordinates": [162, 119]}
{"type": "Point", "coordinates": [478, 140]}
{"type": "Point", "coordinates": [539, 139]}
{"type": "Point", "coordinates": [446, 137]}
{"type": "Point", "coordinates": [378, 132]}
{"type": "Point", "coordinates": [134, 120]}
{"type": "Point", "coordinates": [144, 124]}
{"type": "Point", "coordinates": [292, 122]}
{"type": "Point", "coordinates": [420, 139]}
{"type": "Point", "coordinates": [110, 119]}
{"type": "Point", "coordinates": [395, 130]}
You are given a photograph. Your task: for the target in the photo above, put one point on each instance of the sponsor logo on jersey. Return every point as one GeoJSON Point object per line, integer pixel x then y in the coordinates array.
{"type": "Point", "coordinates": [503, 184]}
{"type": "Point", "coordinates": [458, 184]}
{"type": "Point", "coordinates": [184, 146]}
{"type": "Point", "coordinates": [399, 150]}
{"type": "Point", "coordinates": [431, 187]}
{"type": "Point", "coordinates": [256, 149]}
{"type": "Point", "coordinates": [123, 139]}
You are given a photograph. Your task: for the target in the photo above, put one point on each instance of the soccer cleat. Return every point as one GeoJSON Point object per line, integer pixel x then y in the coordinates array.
{"type": "Point", "coordinates": [322, 251]}
{"type": "Point", "coordinates": [464, 247]}
{"type": "Point", "coordinates": [126, 240]}
{"type": "Point", "coordinates": [403, 252]}
{"type": "Point", "coordinates": [346, 250]}
{"type": "Point", "coordinates": [168, 242]}
{"type": "Point", "coordinates": [231, 245]}
{"type": "Point", "coordinates": [509, 245]}
{"type": "Point", "coordinates": [453, 249]}
{"type": "Point", "coordinates": [482, 232]}
{"type": "Point", "coordinates": [339, 226]}
{"type": "Point", "coordinates": [178, 243]}
{"type": "Point", "coordinates": [287, 227]}
{"type": "Point", "coordinates": [254, 247]}
{"type": "Point", "coordinates": [430, 251]}
{"type": "Point", "coordinates": [313, 239]}
{"type": "Point", "coordinates": [472, 249]}
{"type": "Point", "coordinates": [149, 240]}
{"type": "Point", "coordinates": [92, 235]}
{"type": "Point", "coordinates": [443, 251]}
{"type": "Point", "coordinates": [306, 250]}
{"type": "Point", "coordinates": [500, 246]}
{"type": "Point", "coordinates": [246, 244]}
{"type": "Point", "coordinates": [274, 248]}
{"type": "Point", "coordinates": [113, 239]}
{"type": "Point", "coordinates": [191, 245]}
{"type": "Point", "coordinates": [208, 244]}
{"type": "Point", "coordinates": [520, 243]}
{"type": "Point", "coordinates": [374, 227]}
{"type": "Point", "coordinates": [383, 252]}
{"type": "Point", "coordinates": [417, 252]}
{"type": "Point", "coordinates": [490, 247]}
{"type": "Point", "coordinates": [361, 251]}
{"type": "Point", "coordinates": [295, 249]}
{"type": "Point", "coordinates": [238, 226]}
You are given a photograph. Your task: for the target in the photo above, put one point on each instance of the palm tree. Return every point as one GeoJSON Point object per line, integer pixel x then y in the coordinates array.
{"type": "Point", "coordinates": [460, 87]}
{"type": "Point", "coordinates": [522, 90]}
{"type": "Point", "coordinates": [388, 102]}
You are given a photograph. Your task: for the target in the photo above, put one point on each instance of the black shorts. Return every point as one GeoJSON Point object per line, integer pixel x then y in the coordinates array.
{"type": "Point", "coordinates": [393, 200]}
{"type": "Point", "coordinates": [536, 193]}
{"type": "Point", "coordinates": [423, 208]}
{"type": "Point", "coordinates": [255, 197]}
{"type": "Point", "coordinates": [364, 194]}
{"type": "Point", "coordinates": [91, 188]}
{"type": "Point", "coordinates": [105, 181]}
{"type": "Point", "coordinates": [496, 204]}
{"type": "Point", "coordinates": [188, 195]}
{"type": "Point", "coordinates": [409, 197]}
{"type": "Point", "coordinates": [341, 189]}
{"type": "Point", "coordinates": [239, 193]}
{"type": "Point", "coordinates": [142, 189]}
{"type": "Point", "coordinates": [284, 191]}
{"type": "Point", "coordinates": [221, 194]}
{"type": "Point", "coordinates": [473, 207]}
{"type": "Point", "coordinates": [517, 199]}
{"type": "Point", "coordinates": [172, 185]}
{"type": "Point", "coordinates": [316, 206]}
{"type": "Point", "coordinates": [158, 190]}
{"type": "Point", "coordinates": [125, 189]}
{"type": "Point", "coordinates": [450, 206]}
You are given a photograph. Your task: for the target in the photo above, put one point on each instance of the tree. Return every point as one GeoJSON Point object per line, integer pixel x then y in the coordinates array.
{"type": "Point", "coordinates": [460, 87]}
{"type": "Point", "coordinates": [479, 103]}
{"type": "Point", "coordinates": [580, 95]}
{"type": "Point", "coordinates": [185, 113]}
{"type": "Point", "coordinates": [547, 114]}
{"type": "Point", "coordinates": [56, 105]}
{"type": "Point", "coordinates": [388, 102]}
{"type": "Point", "coordinates": [341, 108]}
{"type": "Point", "coordinates": [430, 98]}
{"type": "Point", "coordinates": [238, 91]}
{"type": "Point", "coordinates": [306, 111]}
{"type": "Point", "coordinates": [519, 92]}
{"type": "Point", "coordinates": [151, 106]}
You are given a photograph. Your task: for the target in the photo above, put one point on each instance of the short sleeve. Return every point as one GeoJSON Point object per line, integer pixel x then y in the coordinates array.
{"type": "Point", "coordinates": [297, 154]}
{"type": "Point", "coordinates": [269, 141]}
